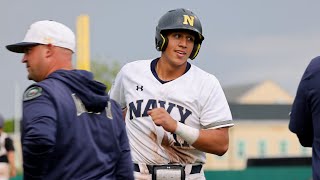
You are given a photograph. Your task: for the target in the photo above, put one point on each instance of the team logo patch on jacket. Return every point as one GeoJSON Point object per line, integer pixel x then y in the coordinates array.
{"type": "Point", "coordinates": [32, 92]}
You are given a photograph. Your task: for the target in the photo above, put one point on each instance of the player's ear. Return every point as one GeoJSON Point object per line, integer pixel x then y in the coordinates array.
{"type": "Point", "coordinates": [49, 50]}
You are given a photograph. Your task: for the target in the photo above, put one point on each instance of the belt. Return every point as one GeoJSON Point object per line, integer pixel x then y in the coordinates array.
{"type": "Point", "coordinates": [194, 170]}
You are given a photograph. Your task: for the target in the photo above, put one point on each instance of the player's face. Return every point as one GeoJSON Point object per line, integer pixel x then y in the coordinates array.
{"type": "Point", "coordinates": [180, 45]}
{"type": "Point", "coordinates": [36, 63]}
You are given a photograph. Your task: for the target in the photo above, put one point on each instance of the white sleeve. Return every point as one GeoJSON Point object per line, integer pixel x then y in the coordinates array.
{"type": "Point", "coordinates": [215, 112]}
{"type": "Point", "coordinates": [116, 91]}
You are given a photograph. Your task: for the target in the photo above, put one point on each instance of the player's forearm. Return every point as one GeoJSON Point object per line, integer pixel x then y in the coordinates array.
{"type": "Point", "coordinates": [11, 159]}
{"type": "Point", "coordinates": [214, 141]}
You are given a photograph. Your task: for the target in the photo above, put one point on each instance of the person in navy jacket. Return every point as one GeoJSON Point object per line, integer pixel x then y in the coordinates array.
{"type": "Point", "coordinates": [305, 113]}
{"type": "Point", "coordinates": [71, 129]}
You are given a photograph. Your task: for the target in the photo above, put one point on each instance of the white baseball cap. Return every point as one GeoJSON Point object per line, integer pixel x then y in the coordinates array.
{"type": "Point", "coordinates": [46, 32]}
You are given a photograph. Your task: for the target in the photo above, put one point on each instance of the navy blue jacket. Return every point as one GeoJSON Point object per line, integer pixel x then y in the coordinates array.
{"type": "Point", "coordinates": [305, 113]}
{"type": "Point", "coordinates": [71, 130]}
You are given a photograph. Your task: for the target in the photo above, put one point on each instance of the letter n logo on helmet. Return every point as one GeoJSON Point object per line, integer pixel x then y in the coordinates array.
{"type": "Point", "coordinates": [188, 20]}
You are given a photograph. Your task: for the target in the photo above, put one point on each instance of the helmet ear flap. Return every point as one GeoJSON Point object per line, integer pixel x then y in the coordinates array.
{"type": "Point", "coordinates": [195, 51]}
{"type": "Point", "coordinates": [161, 42]}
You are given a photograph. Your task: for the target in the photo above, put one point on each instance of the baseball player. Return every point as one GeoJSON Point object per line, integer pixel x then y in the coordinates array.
{"type": "Point", "coordinates": [174, 111]}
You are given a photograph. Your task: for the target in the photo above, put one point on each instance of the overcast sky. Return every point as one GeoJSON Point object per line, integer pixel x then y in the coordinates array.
{"type": "Point", "coordinates": [245, 40]}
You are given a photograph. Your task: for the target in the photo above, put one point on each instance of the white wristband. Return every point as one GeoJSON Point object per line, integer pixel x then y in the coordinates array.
{"type": "Point", "coordinates": [188, 133]}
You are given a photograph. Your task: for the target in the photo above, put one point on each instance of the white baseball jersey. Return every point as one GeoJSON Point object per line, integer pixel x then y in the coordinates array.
{"type": "Point", "coordinates": [3, 137]}
{"type": "Point", "coordinates": [195, 99]}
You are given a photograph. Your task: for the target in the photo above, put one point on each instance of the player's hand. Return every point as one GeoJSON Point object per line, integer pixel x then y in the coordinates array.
{"type": "Point", "coordinates": [162, 118]}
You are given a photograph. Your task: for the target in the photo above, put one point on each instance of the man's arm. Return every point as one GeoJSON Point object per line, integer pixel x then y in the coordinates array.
{"type": "Point", "coordinates": [10, 155]}
{"type": "Point", "coordinates": [125, 164]}
{"type": "Point", "coordinates": [11, 159]}
{"type": "Point", "coordinates": [124, 167]}
{"type": "Point", "coordinates": [215, 141]}
{"type": "Point", "coordinates": [38, 135]}
{"type": "Point", "coordinates": [301, 116]}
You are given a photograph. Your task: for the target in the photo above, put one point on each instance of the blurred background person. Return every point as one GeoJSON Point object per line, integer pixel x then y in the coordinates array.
{"type": "Point", "coordinates": [7, 161]}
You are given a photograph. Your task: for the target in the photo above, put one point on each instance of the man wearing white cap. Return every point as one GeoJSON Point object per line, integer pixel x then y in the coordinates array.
{"type": "Point", "coordinates": [7, 160]}
{"type": "Point", "coordinates": [71, 129]}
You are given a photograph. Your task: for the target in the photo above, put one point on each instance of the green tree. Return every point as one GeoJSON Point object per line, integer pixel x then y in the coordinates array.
{"type": "Point", "coordinates": [105, 73]}
{"type": "Point", "coordinates": [8, 126]}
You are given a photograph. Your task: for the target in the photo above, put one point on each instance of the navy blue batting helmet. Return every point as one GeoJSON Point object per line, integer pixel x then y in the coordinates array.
{"type": "Point", "coordinates": [179, 19]}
